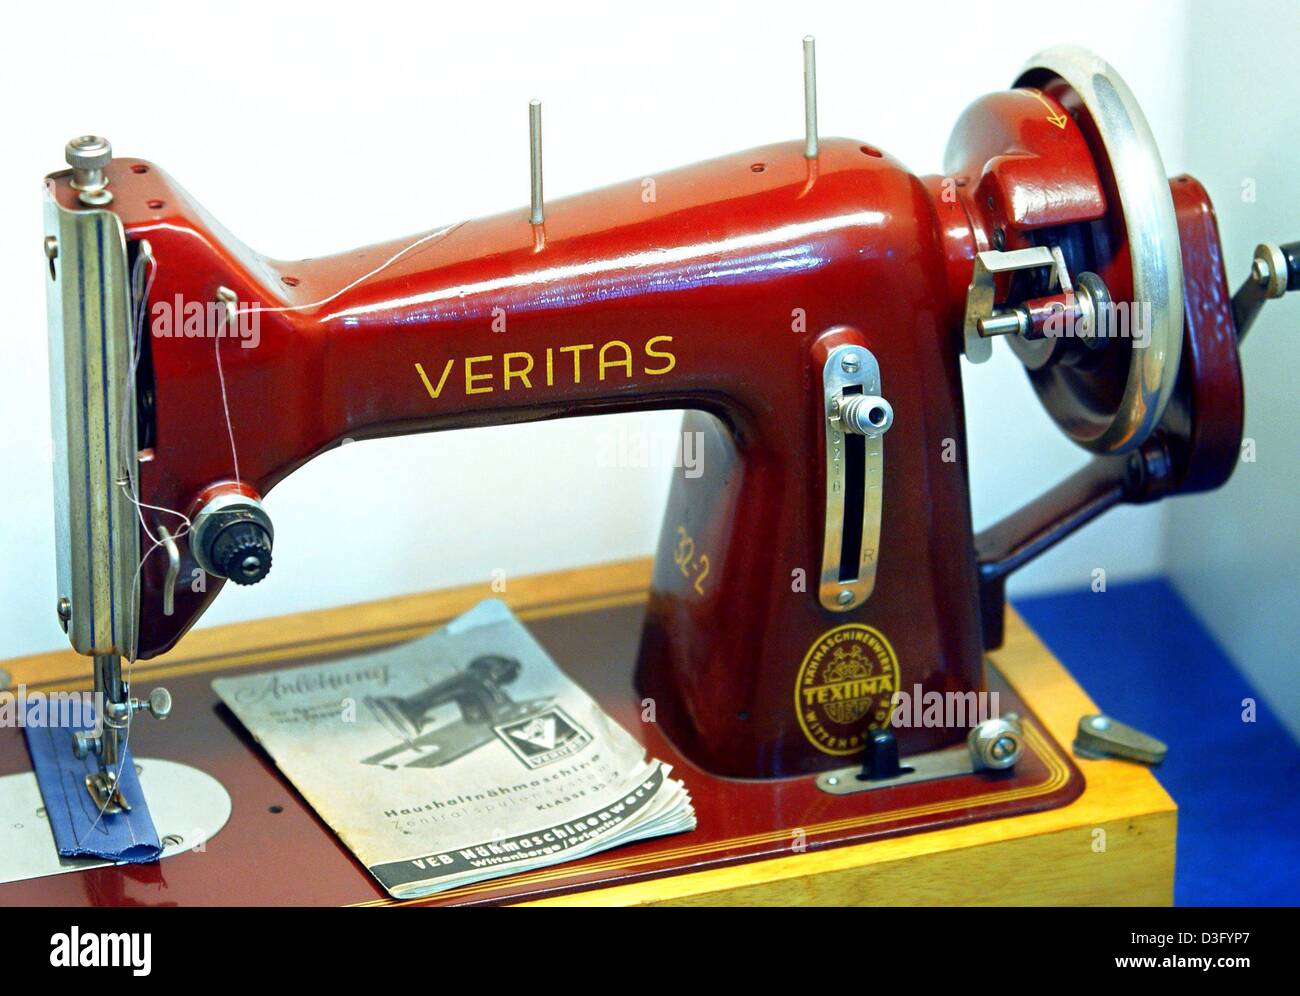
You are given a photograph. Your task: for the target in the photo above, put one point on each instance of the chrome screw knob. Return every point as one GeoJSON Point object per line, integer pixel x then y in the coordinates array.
{"type": "Point", "coordinates": [88, 156]}
{"type": "Point", "coordinates": [89, 152]}
{"type": "Point", "coordinates": [866, 415]}
{"type": "Point", "coordinates": [83, 744]}
{"type": "Point", "coordinates": [996, 744]}
{"type": "Point", "coordinates": [158, 705]}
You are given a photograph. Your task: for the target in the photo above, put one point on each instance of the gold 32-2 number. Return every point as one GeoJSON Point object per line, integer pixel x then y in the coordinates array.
{"type": "Point", "coordinates": [686, 561]}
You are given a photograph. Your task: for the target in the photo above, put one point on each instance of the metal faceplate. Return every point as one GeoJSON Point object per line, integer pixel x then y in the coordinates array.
{"type": "Point", "coordinates": [920, 768]}
{"type": "Point", "coordinates": [850, 371]}
{"type": "Point", "coordinates": [189, 807]}
{"type": "Point", "coordinates": [93, 419]}
{"type": "Point", "coordinates": [996, 744]}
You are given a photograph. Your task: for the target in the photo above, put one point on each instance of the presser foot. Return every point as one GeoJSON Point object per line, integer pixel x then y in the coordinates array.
{"type": "Point", "coordinates": [106, 793]}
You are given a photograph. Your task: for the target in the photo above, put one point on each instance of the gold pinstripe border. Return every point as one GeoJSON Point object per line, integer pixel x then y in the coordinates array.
{"type": "Point", "coordinates": [1058, 775]}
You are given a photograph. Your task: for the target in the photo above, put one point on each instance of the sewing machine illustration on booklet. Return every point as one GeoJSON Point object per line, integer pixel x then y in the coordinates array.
{"type": "Point", "coordinates": [807, 304]}
{"type": "Point", "coordinates": [480, 699]}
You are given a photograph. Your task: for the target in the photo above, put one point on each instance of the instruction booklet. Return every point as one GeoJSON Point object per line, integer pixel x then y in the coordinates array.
{"type": "Point", "coordinates": [458, 757]}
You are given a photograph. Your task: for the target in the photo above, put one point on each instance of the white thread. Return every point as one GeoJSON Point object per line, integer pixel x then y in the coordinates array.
{"type": "Point", "coordinates": [144, 274]}
{"type": "Point", "coordinates": [129, 479]}
{"type": "Point", "coordinates": [440, 233]}
{"type": "Point", "coordinates": [260, 309]}
{"type": "Point", "coordinates": [140, 287]}
{"type": "Point", "coordinates": [225, 404]}
{"type": "Point", "coordinates": [140, 293]}
{"type": "Point", "coordinates": [129, 482]}
{"type": "Point", "coordinates": [130, 665]}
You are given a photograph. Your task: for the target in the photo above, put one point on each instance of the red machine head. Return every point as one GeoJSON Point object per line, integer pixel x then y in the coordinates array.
{"type": "Point", "coordinates": [807, 304]}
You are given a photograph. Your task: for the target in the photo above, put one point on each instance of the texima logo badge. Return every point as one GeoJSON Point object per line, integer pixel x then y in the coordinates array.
{"type": "Point", "coordinates": [92, 950]}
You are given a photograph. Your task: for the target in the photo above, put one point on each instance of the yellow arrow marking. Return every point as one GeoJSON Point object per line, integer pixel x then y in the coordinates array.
{"type": "Point", "coordinates": [1060, 120]}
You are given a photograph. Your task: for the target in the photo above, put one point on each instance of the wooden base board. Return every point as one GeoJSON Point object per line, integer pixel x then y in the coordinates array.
{"type": "Point", "coordinates": [1113, 845]}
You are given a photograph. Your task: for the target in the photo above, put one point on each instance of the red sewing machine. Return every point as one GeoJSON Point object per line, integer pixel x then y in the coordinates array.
{"type": "Point", "coordinates": [808, 304]}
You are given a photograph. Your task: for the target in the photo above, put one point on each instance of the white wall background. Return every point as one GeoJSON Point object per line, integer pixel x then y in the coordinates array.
{"type": "Point", "coordinates": [296, 123]}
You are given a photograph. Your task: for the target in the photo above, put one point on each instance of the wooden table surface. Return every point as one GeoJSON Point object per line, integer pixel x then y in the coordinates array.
{"type": "Point", "coordinates": [1114, 845]}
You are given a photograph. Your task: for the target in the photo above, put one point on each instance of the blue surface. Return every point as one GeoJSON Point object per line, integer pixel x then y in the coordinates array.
{"type": "Point", "coordinates": [80, 831]}
{"type": "Point", "coordinates": [1147, 660]}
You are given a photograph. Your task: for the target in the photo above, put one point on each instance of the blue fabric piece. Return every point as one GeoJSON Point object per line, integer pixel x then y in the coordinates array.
{"type": "Point", "coordinates": [1146, 659]}
{"type": "Point", "coordinates": [79, 830]}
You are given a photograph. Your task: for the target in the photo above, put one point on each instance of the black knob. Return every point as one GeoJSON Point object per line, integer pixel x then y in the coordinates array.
{"type": "Point", "coordinates": [242, 552]}
{"type": "Point", "coordinates": [1291, 253]}
{"type": "Point", "coordinates": [880, 757]}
